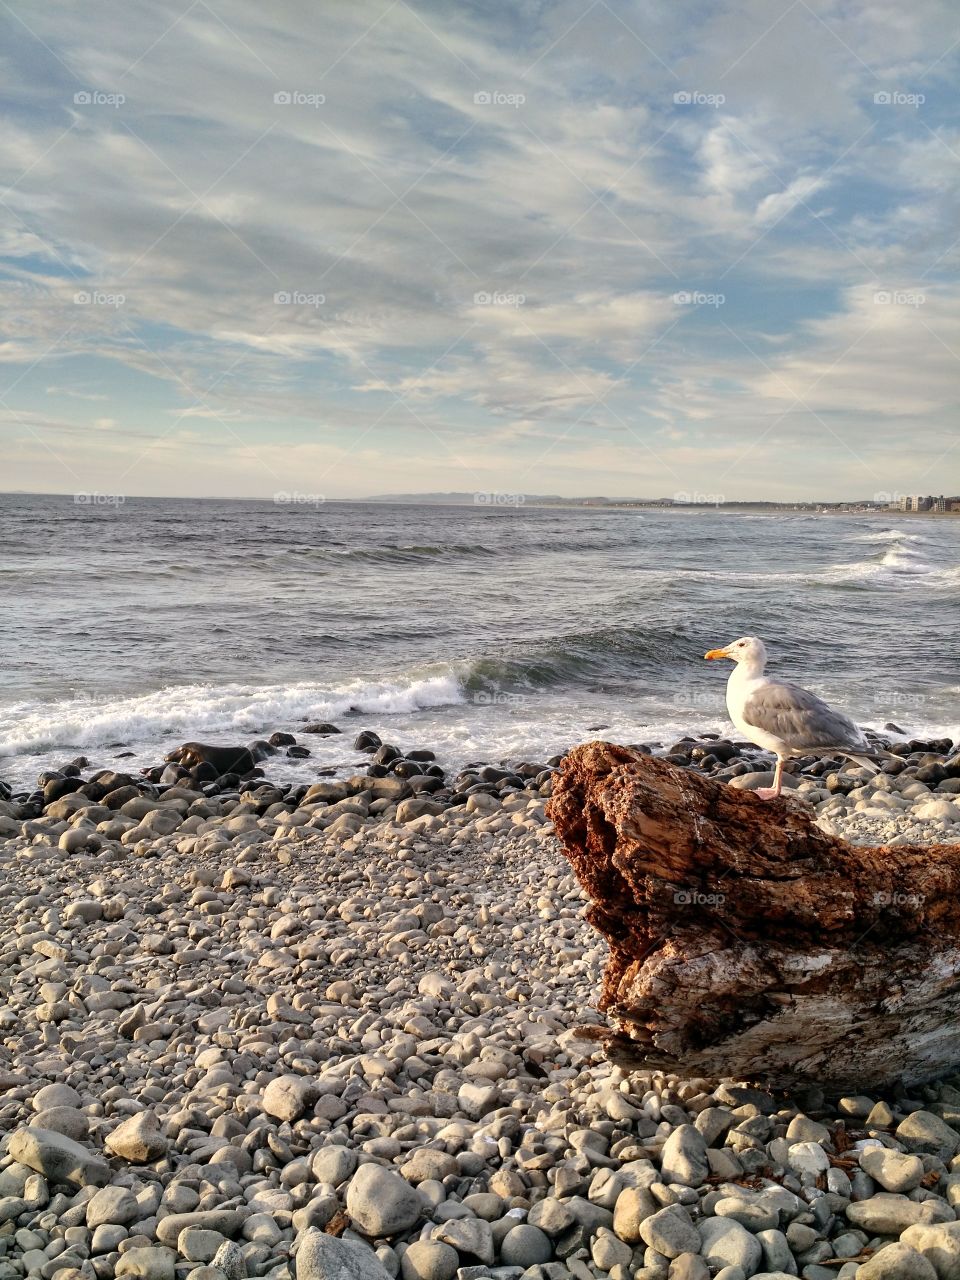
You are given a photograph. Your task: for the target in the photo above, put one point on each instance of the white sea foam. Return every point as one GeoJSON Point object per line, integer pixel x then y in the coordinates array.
{"type": "Point", "coordinates": [431, 712]}
{"type": "Point", "coordinates": [195, 709]}
{"type": "Point", "coordinates": [890, 535]}
{"type": "Point", "coordinates": [900, 564]}
{"type": "Point", "coordinates": [898, 550]}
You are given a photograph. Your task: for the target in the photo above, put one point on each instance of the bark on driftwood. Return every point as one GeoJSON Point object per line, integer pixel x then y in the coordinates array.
{"type": "Point", "coordinates": [747, 943]}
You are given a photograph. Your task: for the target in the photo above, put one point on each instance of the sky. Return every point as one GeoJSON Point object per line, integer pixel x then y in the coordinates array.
{"type": "Point", "coordinates": [368, 246]}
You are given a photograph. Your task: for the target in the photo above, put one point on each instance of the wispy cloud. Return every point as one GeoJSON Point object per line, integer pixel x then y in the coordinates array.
{"type": "Point", "coordinates": [583, 245]}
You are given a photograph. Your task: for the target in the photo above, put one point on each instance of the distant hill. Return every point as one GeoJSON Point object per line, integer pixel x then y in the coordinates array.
{"type": "Point", "coordinates": [691, 502]}
{"type": "Point", "coordinates": [496, 497]}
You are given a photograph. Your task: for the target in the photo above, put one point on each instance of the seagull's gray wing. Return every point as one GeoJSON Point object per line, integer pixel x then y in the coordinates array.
{"type": "Point", "coordinates": [800, 719]}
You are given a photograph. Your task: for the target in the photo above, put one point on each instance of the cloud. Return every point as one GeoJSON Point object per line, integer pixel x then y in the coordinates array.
{"type": "Point", "coordinates": [286, 229]}
{"type": "Point", "coordinates": [890, 354]}
{"type": "Point", "coordinates": [74, 393]}
{"type": "Point", "coordinates": [774, 207]}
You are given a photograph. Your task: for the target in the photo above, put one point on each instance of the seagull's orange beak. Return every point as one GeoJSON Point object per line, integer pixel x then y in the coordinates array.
{"type": "Point", "coordinates": [716, 653]}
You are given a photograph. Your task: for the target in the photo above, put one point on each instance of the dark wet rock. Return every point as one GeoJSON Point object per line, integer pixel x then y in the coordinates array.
{"type": "Point", "coordinates": [407, 769]}
{"type": "Point", "coordinates": [424, 783]}
{"type": "Point", "coordinates": [61, 786]}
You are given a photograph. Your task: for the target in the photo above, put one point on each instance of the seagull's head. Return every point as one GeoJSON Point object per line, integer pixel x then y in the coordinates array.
{"type": "Point", "coordinates": [748, 649]}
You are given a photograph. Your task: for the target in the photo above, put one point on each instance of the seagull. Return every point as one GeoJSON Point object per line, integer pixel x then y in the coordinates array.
{"type": "Point", "coordinates": [784, 718]}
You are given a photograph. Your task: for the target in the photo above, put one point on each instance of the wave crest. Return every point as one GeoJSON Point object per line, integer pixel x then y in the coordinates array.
{"type": "Point", "coordinates": [891, 535]}
{"type": "Point", "coordinates": [192, 710]}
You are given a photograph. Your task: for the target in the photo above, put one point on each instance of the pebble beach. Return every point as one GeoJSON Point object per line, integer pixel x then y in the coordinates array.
{"type": "Point", "coordinates": [331, 1032]}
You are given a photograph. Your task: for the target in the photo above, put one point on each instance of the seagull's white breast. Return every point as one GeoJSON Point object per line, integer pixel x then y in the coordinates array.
{"type": "Point", "coordinates": [739, 688]}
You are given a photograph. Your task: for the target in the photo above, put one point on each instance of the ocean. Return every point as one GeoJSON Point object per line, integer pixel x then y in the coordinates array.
{"type": "Point", "coordinates": [484, 632]}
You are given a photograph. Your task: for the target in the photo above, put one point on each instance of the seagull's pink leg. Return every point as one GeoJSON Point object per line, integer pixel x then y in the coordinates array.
{"type": "Point", "coordinates": [771, 793]}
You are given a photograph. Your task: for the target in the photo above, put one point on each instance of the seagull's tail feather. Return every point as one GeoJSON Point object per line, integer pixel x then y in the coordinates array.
{"type": "Point", "coordinates": [868, 762]}
{"type": "Point", "coordinates": [870, 759]}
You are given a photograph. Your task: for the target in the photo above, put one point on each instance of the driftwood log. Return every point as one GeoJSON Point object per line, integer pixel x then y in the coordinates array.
{"type": "Point", "coordinates": [746, 943]}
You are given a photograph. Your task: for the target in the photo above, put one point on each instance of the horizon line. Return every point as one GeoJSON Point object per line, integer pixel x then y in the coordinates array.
{"type": "Point", "coordinates": [482, 497]}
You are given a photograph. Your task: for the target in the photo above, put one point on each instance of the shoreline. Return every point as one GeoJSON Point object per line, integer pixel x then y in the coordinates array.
{"type": "Point", "coordinates": [392, 787]}
{"type": "Point", "coordinates": [458, 732]}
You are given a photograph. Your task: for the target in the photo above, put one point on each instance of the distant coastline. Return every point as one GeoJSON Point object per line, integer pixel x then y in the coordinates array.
{"type": "Point", "coordinates": [646, 504]}
{"type": "Point", "coordinates": [503, 499]}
